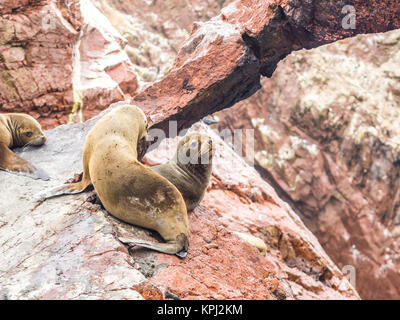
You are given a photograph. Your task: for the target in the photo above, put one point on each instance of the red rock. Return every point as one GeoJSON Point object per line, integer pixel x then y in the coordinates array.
{"type": "Point", "coordinates": [36, 47]}
{"type": "Point", "coordinates": [207, 272]}
{"type": "Point", "coordinates": [68, 247]}
{"type": "Point", "coordinates": [342, 176]}
{"type": "Point", "coordinates": [149, 291]}
{"type": "Point", "coordinates": [221, 63]}
{"type": "Point", "coordinates": [37, 52]}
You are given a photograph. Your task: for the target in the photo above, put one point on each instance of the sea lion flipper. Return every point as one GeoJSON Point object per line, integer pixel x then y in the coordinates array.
{"type": "Point", "coordinates": [73, 188]}
{"type": "Point", "coordinates": [9, 161]}
{"type": "Point", "coordinates": [169, 247]}
{"type": "Point", "coordinates": [181, 254]}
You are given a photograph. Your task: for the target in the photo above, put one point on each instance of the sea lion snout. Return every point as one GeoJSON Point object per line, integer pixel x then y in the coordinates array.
{"type": "Point", "coordinates": [38, 141]}
{"type": "Point", "coordinates": [43, 139]}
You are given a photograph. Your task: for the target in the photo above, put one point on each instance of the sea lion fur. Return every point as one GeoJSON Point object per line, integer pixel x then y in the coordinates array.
{"type": "Point", "coordinates": [190, 168]}
{"type": "Point", "coordinates": [127, 189]}
{"type": "Point", "coordinates": [19, 130]}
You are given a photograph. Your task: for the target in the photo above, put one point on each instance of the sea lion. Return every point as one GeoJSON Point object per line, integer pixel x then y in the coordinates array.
{"type": "Point", "coordinates": [19, 130]}
{"type": "Point", "coordinates": [190, 168]}
{"type": "Point", "coordinates": [127, 189]}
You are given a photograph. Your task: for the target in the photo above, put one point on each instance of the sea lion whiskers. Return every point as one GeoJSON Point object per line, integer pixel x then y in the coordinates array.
{"type": "Point", "coordinates": [30, 143]}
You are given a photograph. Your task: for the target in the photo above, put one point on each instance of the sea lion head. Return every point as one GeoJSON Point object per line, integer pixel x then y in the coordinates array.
{"type": "Point", "coordinates": [142, 130]}
{"type": "Point", "coordinates": [143, 125]}
{"type": "Point", "coordinates": [136, 116]}
{"type": "Point", "coordinates": [26, 131]}
{"type": "Point", "coordinates": [195, 152]}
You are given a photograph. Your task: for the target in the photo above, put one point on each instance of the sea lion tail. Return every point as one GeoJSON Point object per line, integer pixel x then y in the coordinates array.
{"type": "Point", "coordinates": [177, 247]}
{"type": "Point", "coordinates": [73, 188]}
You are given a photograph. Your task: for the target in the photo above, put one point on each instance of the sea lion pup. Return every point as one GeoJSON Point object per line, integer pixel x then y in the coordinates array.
{"type": "Point", "coordinates": [190, 168]}
{"type": "Point", "coordinates": [127, 189]}
{"type": "Point", "coordinates": [19, 130]}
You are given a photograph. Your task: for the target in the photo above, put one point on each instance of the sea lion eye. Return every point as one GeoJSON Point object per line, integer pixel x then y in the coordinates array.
{"type": "Point", "coordinates": [29, 134]}
{"type": "Point", "coordinates": [147, 126]}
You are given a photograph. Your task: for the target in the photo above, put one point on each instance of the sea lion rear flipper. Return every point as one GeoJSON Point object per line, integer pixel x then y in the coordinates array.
{"type": "Point", "coordinates": [73, 188]}
{"type": "Point", "coordinates": [181, 254]}
{"type": "Point", "coordinates": [169, 247]}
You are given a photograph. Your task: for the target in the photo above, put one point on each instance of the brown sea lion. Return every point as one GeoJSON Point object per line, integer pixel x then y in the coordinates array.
{"type": "Point", "coordinates": [127, 189]}
{"type": "Point", "coordinates": [190, 168]}
{"type": "Point", "coordinates": [19, 130]}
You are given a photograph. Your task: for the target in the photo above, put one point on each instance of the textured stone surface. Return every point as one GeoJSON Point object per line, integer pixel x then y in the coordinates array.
{"type": "Point", "coordinates": [328, 136]}
{"type": "Point", "coordinates": [221, 62]}
{"type": "Point", "coordinates": [156, 32]}
{"type": "Point", "coordinates": [218, 65]}
{"type": "Point", "coordinates": [57, 53]}
{"type": "Point", "coordinates": [67, 247]}
{"type": "Point", "coordinates": [36, 55]}
{"type": "Point", "coordinates": [103, 73]}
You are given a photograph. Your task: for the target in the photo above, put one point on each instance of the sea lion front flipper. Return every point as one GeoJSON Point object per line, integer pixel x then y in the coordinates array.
{"type": "Point", "coordinates": [169, 247]}
{"type": "Point", "coordinates": [9, 161]}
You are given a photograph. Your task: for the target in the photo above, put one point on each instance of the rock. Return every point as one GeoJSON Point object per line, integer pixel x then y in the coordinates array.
{"type": "Point", "coordinates": [218, 65]}
{"type": "Point", "coordinates": [222, 60]}
{"type": "Point", "coordinates": [56, 56]}
{"type": "Point", "coordinates": [104, 73]}
{"type": "Point", "coordinates": [326, 137]}
{"type": "Point", "coordinates": [156, 32]}
{"type": "Point", "coordinates": [68, 248]}
{"type": "Point", "coordinates": [254, 241]}
{"type": "Point", "coordinates": [36, 53]}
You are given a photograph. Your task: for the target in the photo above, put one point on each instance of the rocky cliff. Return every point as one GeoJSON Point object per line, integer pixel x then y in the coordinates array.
{"type": "Point", "coordinates": [327, 135]}
{"type": "Point", "coordinates": [87, 69]}
{"type": "Point", "coordinates": [57, 57]}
